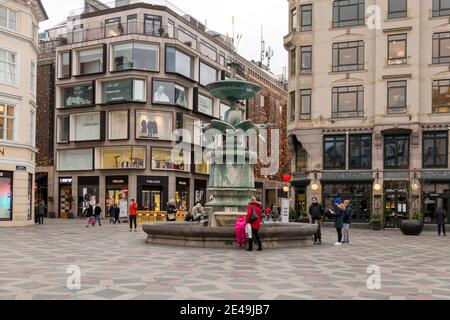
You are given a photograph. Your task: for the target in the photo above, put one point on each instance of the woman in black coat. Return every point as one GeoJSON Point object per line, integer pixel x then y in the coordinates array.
{"type": "Point", "coordinates": [441, 216]}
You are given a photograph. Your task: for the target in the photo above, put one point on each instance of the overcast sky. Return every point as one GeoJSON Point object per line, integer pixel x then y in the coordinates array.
{"type": "Point", "coordinates": [249, 15]}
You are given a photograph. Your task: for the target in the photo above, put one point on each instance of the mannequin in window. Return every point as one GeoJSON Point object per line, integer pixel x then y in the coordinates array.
{"type": "Point", "coordinates": [144, 127]}
{"type": "Point", "coordinates": [160, 95]}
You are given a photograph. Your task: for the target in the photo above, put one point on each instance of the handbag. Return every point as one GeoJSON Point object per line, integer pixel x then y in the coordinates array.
{"type": "Point", "coordinates": [254, 216]}
{"type": "Point", "coordinates": [248, 231]}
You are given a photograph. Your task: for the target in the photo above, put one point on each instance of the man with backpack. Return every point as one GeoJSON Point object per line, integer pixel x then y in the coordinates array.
{"type": "Point", "coordinates": [316, 212]}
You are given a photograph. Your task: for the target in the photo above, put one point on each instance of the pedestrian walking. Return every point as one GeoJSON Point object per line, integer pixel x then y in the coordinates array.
{"type": "Point", "coordinates": [116, 214]}
{"type": "Point", "coordinates": [171, 211]}
{"type": "Point", "coordinates": [254, 216]}
{"type": "Point", "coordinates": [98, 213]}
{"type": "Point", "coordinates": [441, 216]}
{"type": "Point", "coordinates": [133, 215]}
{"type": "Point", "coordinates": [347, 219]}
{"type": "Point", "coordinates": [338, 215]}
{"type": "Point", "coordinates": [90, 216]}
{"type": "Point", "coordinates": [111, 213]}
{"type": "Point", "coordinates": [316, 212]}
{"type": "Point", "coordinates": [40, 211]}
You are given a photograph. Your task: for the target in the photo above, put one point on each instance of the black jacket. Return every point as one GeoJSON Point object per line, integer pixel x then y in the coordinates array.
{"type": "Point", "coordinates": [97, 211]}
{"type": "Point", "coordinates": [441, 216]}
{"type": "Point", "coordinates": [117, 212]}
{"type": "Point", "coordinates": [348, 214]}
{"type": "Point", "coordinates": [89, 211]}
{"type": "Point", "coordinates": [316, 211]}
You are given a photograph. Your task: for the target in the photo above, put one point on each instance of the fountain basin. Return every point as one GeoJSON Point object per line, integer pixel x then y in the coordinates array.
{"type": "Point", "coordinates": [233, 90]}
{"type": "Point", "coordinates": [186, 234]}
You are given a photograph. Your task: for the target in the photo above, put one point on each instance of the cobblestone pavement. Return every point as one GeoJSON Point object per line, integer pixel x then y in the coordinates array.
{"type": "Point", "coordinates": [117, 264]}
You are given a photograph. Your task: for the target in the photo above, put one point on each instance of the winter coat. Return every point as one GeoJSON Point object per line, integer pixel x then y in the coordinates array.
{"type": "Point", "coordinates": [241, 237]}
{"type": "Point", "coordinates": [441, 216]}
{"type": "Point", "coordinates": [197, 213]}
{"type": "Point", "coordinates": [89, 211]}
{"type": "Point", "coordinates": [40, 209]}
{"type": "Point", "coordinates": [117, 212]}
{"type": "Point", "coordinates": [171, 212]}
{"type": "Point", "coordinates": [133, 209]}
{"type": "Point", "coordinates": [348, 214]}
{"type": "Point", "coordinates": [316, 211]}
{"type": "Point", "coordinates": [97, 211]}
{"type": "Point", "coordinates": [256, 225]}
{"type": "Point", "coordinates": [111, 211]}
{"type": "Point", "coordinates": [338, 217]}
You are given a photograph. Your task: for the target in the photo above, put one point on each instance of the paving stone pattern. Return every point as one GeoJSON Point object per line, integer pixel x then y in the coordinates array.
{"type": "Point", "coordinates": [118, 264]}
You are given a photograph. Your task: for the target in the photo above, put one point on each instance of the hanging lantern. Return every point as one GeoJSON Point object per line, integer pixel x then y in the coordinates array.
{"type": "Point", "coordinates": [286, 189]}
{"type": "Point", "coordinates": [287, 178]}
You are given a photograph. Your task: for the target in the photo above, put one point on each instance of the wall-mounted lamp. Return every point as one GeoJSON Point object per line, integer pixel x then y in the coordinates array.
{"type": "Point", "coordinates": [377, 185]}
{"type": "Point", "coordinates": [315, 182]}
{"type": "Point", "coordinates": [415, 183]}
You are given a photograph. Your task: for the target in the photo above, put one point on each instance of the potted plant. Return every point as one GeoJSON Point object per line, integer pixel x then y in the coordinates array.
{"type": "Point", "coordinates": [413, 227]}
{"type": "Point", "coordinates": [293, 215]}
{"type": "Point", "coordinates": [51, 201]}
{"type": "Point", "coordinates": [375, 221]}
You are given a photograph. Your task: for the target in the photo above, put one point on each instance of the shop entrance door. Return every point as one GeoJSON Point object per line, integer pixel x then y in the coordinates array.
{"type": "Point", "coordinates": [396, 207]}
{"type": "Point", "coordinates": [65, 195]}
{"type": "Point", "coordinates": [152, 198]}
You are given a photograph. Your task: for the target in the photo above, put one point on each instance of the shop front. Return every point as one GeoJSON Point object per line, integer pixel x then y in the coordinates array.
{"type": "Point", "coordinates": [354, 186]}
{"type": "Point", "coordinates": [152, 193]}
{"type": "Point", "coordinates": [117, 193]}
{"type": "Point", "coordinates": [88, 193]}
{"type": "Point", "coordinates": [396, 202]}
{"type": "Point", "coordinates": [435, 194]}
{"type": "Point", "coordinates": [65, 200]}
{"type": "Point", "coordinates": [300, 185]}
{"type": "Point", "coordinates": [200, 187]}
{"type": "Point", "coordinates": [182, 194]}
{"type": "Point", "coordinates": [6, 196]}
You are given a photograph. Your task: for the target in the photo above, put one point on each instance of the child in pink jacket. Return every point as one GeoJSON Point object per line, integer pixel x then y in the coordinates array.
{"type": "Point", "coordinates": [241, 238]}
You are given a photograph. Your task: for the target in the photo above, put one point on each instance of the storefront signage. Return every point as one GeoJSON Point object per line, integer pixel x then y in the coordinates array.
{"type": "Point", "coordinates": [182, 183]}
{"type": "Point", "coordinates": [396, 175]}
{"type": "Point", "coordinates": [21, 168]}
{"type": "Point", "coordinates": [151, 182]}
{"type": "Point", "coordinates": [339, 176]}
{"type": "Point", "coordinates": [121, 181]}
{"type": "Point", "coordinates": [65, 180]}
{"type": "Point", "coordinates": [436, 175]}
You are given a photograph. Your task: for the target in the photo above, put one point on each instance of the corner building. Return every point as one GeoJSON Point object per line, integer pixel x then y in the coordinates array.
{"type": "Point", "coordinates": [369, 108]}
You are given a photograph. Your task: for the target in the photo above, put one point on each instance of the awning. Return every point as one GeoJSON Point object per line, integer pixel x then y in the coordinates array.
{"type": "Point", "coordinates": [300, 182]}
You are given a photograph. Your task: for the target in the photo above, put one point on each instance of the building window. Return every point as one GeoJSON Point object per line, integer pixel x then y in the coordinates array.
{"type": "Point", "coordinates": [306, 58]}
{"type": "Point", "coordinates": [435, 149]}
{"type": "Point", "coordinates": [396, 91]}
{"type": "Point", "coordinates": [203, 168]}
{"type": "Point", "coordinates": [441, 47]}
{"type": "Point", "coordinates": [348, 56]}
{"type": "Point", "coordinates": [86, 127]}
{"type": "Point", "coordinates": [441, 96]}
{"type": "Point", "coordinates": [347, 13]}
{"type": "Point", "coordinates": [128, 90]}
{"type": "Point", "coordinates": [441, 8]}
{"type": "Point", "coordinates": [75, 159]}
{"type": "Point", "coordinates": [396, 152]}
{"type": "Point", "coordinates": [118, 125]}
{"type": "Point", "coordinates": [334, 152]}
{"type": "Point", "coordinates": [306, 23]}
{"type": "Point", "coordinates": [153, 25]}
{"type": "Point", "coordinates": [77, 33]}
{"type": "Point", "coordinates": [360, 152]}
{"type": "Point", "coordinates": [132, 24]}
{"type": "Point", "coordinates": [33, 77]}
{"type": "Point", "coordinates": [78, 96]}
{"type": "Point", "coordinates": [154, 125]}
{"type": "Point", "coordinates": [207, 74]}
{"type": "Point", "coordinates": [179, 62]}
{"type": "Point", "coordinates": [293, 62]}
{"type": "Point", "coordinates": [120, 158]}
{"type": "Point", "coordinates": [222, 60]}
{"type": "Point", "coordinates": [7, 117]}
{"type": "Point", "coordinates": [171, 29]}
{"type": "Point", "coordinates": [135, 55]}
{"type": "Point", "coordinates": [32, 127]}
{"type": "Point", "coordinates": [63, 129]}
{"type": "Point", "coordinates": [208, 50]}
{"type": "Point", "coordinates": [293, 25]}
{"type": "Point", "coordinates": [397, 9]}
{"type": "Point", "coordinates": [164, 159]}
{"type": "Point", "coordinates": [397, 49]}
{"type": "Point", "coordinates": [64, 65]}
{"type": "Point", "coordinates": [91, 61]}
{"type": "Point", "coordinates": [205, 105]}
{"type": "Point", "coordinates": [301, 158]}
{"type": "Point", "coordinates": [187, 37]}
{"type": "Point", "coordinates": [348, 102]}
{"type": "Point", "coordinates": [292, 104]}
{"type": "Point", "coordinates": [8, 61]}
{"type": "Point", "coordinates": [113, 27]}
{"type": "Point", "coordinates": [170, 93]}
{"type": "Point", "coordinates": [305, 104]}
{"type": "Point", "coordinates": [8, 18]}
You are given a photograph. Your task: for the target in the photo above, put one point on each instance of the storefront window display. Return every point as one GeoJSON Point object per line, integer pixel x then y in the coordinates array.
{"type": "Point", "coordinates": [75, 159]}
{"type": "Point", "coordinates": [6, 196]}
{"type": "Point", "coordinates": [127, 90]}
{"type": "Point", "coordinates": [396, 202]}
{"type": "Point", "coordinates": [182, 194]}
{"type": "Point", "coordinates": [120, 158]}
{"type": "Point", "coordinates": [117, 193]}
{"type": "Point", "coordinates": [118, 125]}
{"type": "Point", "coordinates": [162, 160]}
{"type": "Point", "coordinates": [85, 126]}
{"type": "Point", "coordinates": [65, 197]}
{"type": "Point", "coordinates": [78, 96]}
{"type": "Point", "coordinates": [88, 193]}
{"type": "Point", "coordinates": [153, 125]}
{"type": "Point", "coordinates": [153, 193]}
{"type": "Point", "coordinates": [435, 196]}
{"type": "Point", "coordinates": [359, 193]}
{"type": "Point", "coordinates": [200, 191]}
{"type": "Point", "coordinates": [170, 93]}
{"type": "Point", "coordinates": [202, 168]}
